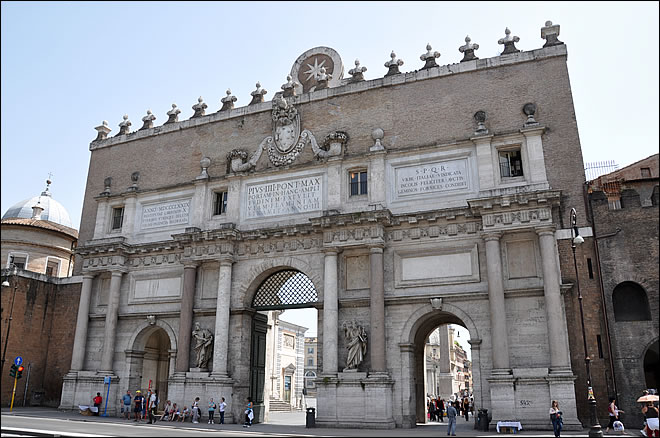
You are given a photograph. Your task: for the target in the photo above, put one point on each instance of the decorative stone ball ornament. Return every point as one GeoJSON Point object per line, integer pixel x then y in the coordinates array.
{"type": "Point", "coordinates": [509, 42]}
{"type": "Point", "coordinates": [107, 182]}
{"type": "Point", "coordinates": [103, 130]}
{"type": "Point", "coordinates": [204, 163]}
{"type": "Point", "coordinates": [258, 94]}
{"type": "Point", "coordinates": [148, 121]}
{"type": "Point", "coordinates": [124, 126]}
{"type": "Point", "coordinates": [228, 101]}
{"type": "Point", "coordinates": [429, 57]}
{"type": "Point", "coordinates": [377, 135]}
{"type": "Point", "coordinates": [199, 108]}
{"type": "Point", "coordinates": [357, 72]}
{"type": "Point", "coordinates": [468, 50]}
{"type": "Point", "coordinates": [393, 65]}
{"type": "Point", "coordinates": [173, 114]}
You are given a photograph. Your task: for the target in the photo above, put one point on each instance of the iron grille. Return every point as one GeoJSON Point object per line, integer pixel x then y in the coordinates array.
{"type": "Point", "coordinates": [287, 289]}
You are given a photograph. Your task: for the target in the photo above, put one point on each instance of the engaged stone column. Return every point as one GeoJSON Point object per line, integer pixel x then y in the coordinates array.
{"type": "Point", "coordinates": [80, 338]}
{"type": "Point", "coordinates": [221, 337]}
{"type": "Point", "coordinates": [111, 323]}
{"type": "Point", "coordinates": [330, 312]}
{"type": "Point", "coordinates": [498, 333]}
{"type": "Point", "coordinates": [185, 320]}
{"type": "Point", "coordinates": [559, 356]}
{"type": "Point", "coordinates": [377, 311]}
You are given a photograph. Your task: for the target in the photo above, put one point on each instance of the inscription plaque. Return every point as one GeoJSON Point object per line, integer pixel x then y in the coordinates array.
{"type": "Point", "coordinates": [443, 176]}
{"type": "Point", "coordinates": [297, 195]}
{"type": "Point", "coordinates": [166, 214]}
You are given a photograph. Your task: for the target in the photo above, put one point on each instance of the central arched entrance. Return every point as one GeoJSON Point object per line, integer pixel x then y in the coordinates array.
{"type": "Point", "coordinates": [277, 358]}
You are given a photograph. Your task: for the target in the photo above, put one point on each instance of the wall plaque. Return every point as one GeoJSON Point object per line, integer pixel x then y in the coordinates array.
{"type": "Point", "coordinates": [292, 196]}
{"type": "Point", "coordinates": [442, 176]}
{"type": "Point", "coordinates": [166, 214]}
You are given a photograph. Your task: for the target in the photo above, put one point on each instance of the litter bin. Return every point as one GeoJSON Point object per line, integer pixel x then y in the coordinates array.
{"type": "Point", "coordinates": [483, 419]}
{"type": "Point", "coordinates": [310, 419]}
{"type": "Point", "coordinates": [37, 397]}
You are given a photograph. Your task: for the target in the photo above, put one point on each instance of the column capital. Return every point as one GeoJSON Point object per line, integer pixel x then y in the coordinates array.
{"type": "Point", "coordinates": [475, 344]}
{"type": "Point", "coordinates": [118, 272]}
{"type": "Point", "coordinates": [89, 275]}
{"type": "Point", "coordinates": [189, 264]}
{"type": "Point", "coordinates": [331, 250]}
{"type": "Point", "coordinates": [375, 249]}
{"type": "Point", "coordinates": [226, 260]}
{"type": "Point", "coordinates": [548, 229]}
{"type": "Point", "coordinates": [407, 348]}
{"type": "Point", "coordinates": [492, 236]}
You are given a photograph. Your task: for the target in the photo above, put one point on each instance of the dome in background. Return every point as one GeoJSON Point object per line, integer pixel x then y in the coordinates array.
{"type": "Point", "coordinates": [53, 211]}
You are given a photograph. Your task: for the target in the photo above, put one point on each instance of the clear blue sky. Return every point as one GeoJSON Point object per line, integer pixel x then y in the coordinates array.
{"type": "Point", "coordinates": [66, 66]}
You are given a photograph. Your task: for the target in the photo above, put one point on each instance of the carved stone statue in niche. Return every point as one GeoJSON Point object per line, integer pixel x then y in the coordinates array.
{"type": "Point", "coordinates": [203, 345]}
{"type": "Point", "coordinates": [356, 338]}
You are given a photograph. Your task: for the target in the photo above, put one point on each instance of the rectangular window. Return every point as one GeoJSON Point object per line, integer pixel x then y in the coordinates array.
{"type": "Point", "coordinates": [358, 182]}
{"type": "Point", "coordinates": [219, 203]}
{"type": "Point", "coordinates": [614, 204]}
{"type": "Point", "coordinates": [17, 260]}
{"type": "Point", "coordinates": [511, 164]}
{"type": "Point", "coordinates": [310, 350]}
{"type": "Point", "coordinates": [53, 268]}
{"type": "Point", "coordinates": [310, 362]}
{"type": "Point", "coordinates": [646, 172]}
{"type": "Point", "coordinates": [600, 346]}
{"type": "Point", "coordinates": [117, 218]}
{"type": "Point", "coordinates": [591, 268]}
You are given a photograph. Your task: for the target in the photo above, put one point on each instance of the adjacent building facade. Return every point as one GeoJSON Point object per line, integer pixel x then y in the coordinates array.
{"type": "Point", "coordinates": [393, 205]}
{"type": "Point", "coordinates": [448, 371]}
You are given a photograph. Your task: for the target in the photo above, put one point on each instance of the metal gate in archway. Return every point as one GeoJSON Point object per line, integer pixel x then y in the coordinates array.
{"type": "Point", "coordinates": [285, 289]}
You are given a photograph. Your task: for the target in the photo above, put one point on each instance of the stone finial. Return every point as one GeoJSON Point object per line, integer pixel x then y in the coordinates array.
{"type": "Point", "coordinates": [228, 101]}
{"type": "Point", "coordinates": [258, 94]}
{"type": "Point", "coordinates": [135, 177]}
{"type": "Point", "coordinates": [549, 33]}
{"type": "Point", "coordinates": [322, 79]}
{"type": "Point", "coordinates": [148, 121]}
{"type": "Point", "coordinates": [509, 42]}
{"type": "Point", "coordinates": [377, 135]}
{"type": "Point", "coordinates": [357, 72]}
{"type": "Point", "coordinates": [37, 209]}
{"type": "Point", "coordinates": [124, 126]}
{"type": "Point", "coordinates": [173, 114]}
{"type": "Point", "coordinates": [199, 108]}
{"type": "Point", "coordinates": [290, 87]}
{"type": "Point", "coordinates": [107, 182]}
{"type": "Point", "coordinates": [393, 65]}
{"type": "Point", "coordinates": [204, 163]}
{"type": "Point", "coordinates": [480, 118]}
{"type": "Point", "coordinates": [429, 57]}
{"type": "Point", "coordinates": [530, 109]}
{"type": "Point", "coordinates": [468, 50]}
{"type": "Point", "coordinates": [103, 130]}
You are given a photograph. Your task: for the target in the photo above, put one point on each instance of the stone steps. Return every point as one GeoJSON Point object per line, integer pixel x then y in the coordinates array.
{"type": "Point", "coordinates": [280, 406]}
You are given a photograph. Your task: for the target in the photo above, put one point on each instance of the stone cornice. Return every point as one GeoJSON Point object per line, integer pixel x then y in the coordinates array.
{"type": "Point", "coordinates": [524, 197]}
{"type": "Point", "coordinates": [344, 89]}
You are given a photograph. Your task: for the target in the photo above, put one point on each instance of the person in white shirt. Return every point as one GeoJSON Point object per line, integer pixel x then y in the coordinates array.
{"type": "Point", "coordinates": [221, 409]}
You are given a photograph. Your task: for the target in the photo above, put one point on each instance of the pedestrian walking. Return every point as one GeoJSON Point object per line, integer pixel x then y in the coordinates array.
{"type": "Point", "coordinates": [196, 415]}
{"type": "Point", "coordinates": [222, 408]}
{"type": "Point", "coordinates": [613, 411]}
{"type": "Point", "coordinates": [126, 405]}
{"type": "Point", "coordinates": [466, 408]}
{"type": "Point", "coordinates": [555, 417]}
{"type": "Point", "coordinates": [153, 405]}
{"type": "Point", "coordinates": [651, 427]}
{"type": "Point", "coordinates": [451, 418]}
{"type": "Point", "coordinates": [212, 408]}
{"type": "Point", "coordinates": [249, 414]}
{"type": "Point", "coordinates": [441, 409]}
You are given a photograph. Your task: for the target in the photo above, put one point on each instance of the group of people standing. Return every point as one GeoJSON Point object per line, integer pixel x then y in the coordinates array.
{"type": "Point", "coordinates": [438, 406]}
{"type": "Point", "coordinates": [141, 407]}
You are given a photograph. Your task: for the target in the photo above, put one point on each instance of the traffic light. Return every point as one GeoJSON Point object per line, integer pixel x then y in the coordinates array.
{"type": "Point", "coordinates": [12, 371]}
{"type": "Point", "coordinates": [19, 374]}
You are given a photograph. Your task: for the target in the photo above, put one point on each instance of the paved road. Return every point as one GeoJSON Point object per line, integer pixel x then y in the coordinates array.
{"type": "Point", "coordinates": [51, 422]}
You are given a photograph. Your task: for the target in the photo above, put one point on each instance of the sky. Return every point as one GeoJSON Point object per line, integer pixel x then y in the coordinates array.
{"type": "Point", "coordinates": [67, 66]}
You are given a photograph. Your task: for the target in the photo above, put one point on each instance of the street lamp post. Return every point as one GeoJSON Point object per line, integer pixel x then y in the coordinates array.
{"type": "Point", "coordinates": [11, 312]}
{"type": "Point", "coordinates": [595, 430]}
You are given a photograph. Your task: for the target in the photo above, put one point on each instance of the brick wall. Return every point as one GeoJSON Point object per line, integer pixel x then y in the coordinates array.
{"type": "Point", "coordinates": [628, 248]}
{"type": "Point", "coordinates": [42, 328]}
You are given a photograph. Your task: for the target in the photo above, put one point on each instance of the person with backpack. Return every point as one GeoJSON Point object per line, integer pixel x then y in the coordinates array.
{"type": "Point", "coordinates": [212, 408]}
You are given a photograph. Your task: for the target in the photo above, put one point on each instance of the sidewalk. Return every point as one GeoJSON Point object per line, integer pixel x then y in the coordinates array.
{"type": "Point", "coordinates": [290, 424]}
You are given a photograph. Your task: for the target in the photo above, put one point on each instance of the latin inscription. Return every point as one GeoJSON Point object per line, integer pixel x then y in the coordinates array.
{"type": "Point", "coordinates": [293, 196]}
{"type": "Point", "coordinates": [167, 214]}
{"type": "Point", "coordinates": [443, 176]}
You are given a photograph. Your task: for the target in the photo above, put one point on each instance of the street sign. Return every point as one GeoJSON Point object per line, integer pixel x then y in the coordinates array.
{"type": "Point", "coordinates": [106, 379]}
{"type": "Point", "coordinates": [18, 360]}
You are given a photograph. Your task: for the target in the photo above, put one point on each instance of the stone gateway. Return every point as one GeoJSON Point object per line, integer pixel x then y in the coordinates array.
{"type": "Point", "coordinates": [437, 197]}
